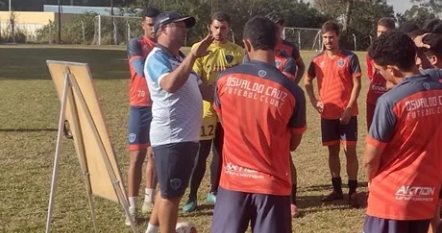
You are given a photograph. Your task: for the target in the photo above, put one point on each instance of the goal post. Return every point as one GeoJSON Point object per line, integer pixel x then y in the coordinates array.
{"type": "Point", "coordinates": [115, 30]}
{"type": "Point", "coordinates": [303, 38]}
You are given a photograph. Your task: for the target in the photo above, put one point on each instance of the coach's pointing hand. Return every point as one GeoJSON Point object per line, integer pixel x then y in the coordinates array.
{"type": "Point", "coordinates": [201, 49]}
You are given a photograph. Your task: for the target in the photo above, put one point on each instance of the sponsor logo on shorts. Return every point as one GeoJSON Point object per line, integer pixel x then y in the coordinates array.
{"type": "Point", "coordinates": [132, 137]}
{"type": "Point", "coordinates": [175, 183]}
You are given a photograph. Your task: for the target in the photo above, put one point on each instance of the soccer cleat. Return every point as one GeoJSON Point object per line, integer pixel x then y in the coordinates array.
{"type": "Point", "coordinates": [147, 207]}
{"type": "Point", "coordinates": [353, 200]}
{"type": "Point", "coordinates": [132, 212]}
{"type": "Point", "coordinates": [211, 198]}
{"type": "Point", "coordinates": [293, 210]}
{"type": "Point", "coordinates": [333, 196]}
{"type": "Point", "coordinates": [190, 205]}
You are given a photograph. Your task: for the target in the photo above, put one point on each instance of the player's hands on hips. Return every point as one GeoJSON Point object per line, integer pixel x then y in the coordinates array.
{"type": "Point", "coordinates": [345, 117]}
{"type": "Point", "coordinates": [200, 50]}
{"type": "Point", "coordinates": [318, 105]}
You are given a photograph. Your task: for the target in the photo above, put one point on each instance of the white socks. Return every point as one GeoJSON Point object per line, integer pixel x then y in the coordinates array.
{"type": "Point", "coordinates": [149, 196]}
{"type": "Point", "coordinates": [133, 202]}
{"type": "Point", "coordinates": [152, 229]}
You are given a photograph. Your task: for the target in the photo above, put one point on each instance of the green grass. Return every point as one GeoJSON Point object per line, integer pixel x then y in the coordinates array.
{"type": "Point", "coordinates": [29, 114]}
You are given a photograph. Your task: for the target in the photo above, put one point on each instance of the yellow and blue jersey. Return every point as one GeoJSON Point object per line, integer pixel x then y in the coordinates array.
{"type": "Point", "coordinates": [220, 58]}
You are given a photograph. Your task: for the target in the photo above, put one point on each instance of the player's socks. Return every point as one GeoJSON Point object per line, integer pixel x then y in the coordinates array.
{"type": "Point", "coordinates": [337, 184]}
{"type": "Point", "coordinates": [294, 190]}
{"type": "Point", "coordinates": [352, 186]}
{"type": "Point", "coordinates": [133, 202]}
{"type": "Point", "coordinates": [149, 195]}
{"type": "Point", "coordinates": [152, 229]}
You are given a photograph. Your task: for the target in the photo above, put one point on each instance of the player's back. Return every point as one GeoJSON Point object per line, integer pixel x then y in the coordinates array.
{"type": "Point", "coordinates": [409, 119]}
{"type": "Point", "coordinates": [257, 103]}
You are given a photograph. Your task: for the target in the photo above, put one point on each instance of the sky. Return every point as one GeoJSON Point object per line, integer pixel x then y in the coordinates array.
{"type": "Point", "coordinates": [399, 6]}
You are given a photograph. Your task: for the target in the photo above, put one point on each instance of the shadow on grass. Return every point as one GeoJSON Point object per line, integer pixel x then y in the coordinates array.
{"type": "Point", "coordinates": [202, 210]}
{"type": "Point", "coordinates": [23, 63]}
{"type": "Point", "coordinates": [325, 187]}
{"type": "Point", "coordinates": [313, 204]}
{"type": "Point", "coordinates": [28, 130]}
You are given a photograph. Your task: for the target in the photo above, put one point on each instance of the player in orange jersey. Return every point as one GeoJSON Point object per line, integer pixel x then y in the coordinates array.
{"type": "Point", "coordinates": [140, 116]}
{"type": "Point", "coordinates": [402, 158]}
{"type": "Point", "coordinates": [223, 55]}
{"type": "Point", "coordinates": [263, 116]}
{"type": "Point", "coordinates": [431, 47]}
{"type": "Point", "coordinates": [378, 85]}
{"type": "Point", "coordinates": [338, 74]}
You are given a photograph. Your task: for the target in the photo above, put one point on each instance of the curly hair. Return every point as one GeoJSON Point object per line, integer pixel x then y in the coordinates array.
{"type": "Point", "coordinates": [394, 48]}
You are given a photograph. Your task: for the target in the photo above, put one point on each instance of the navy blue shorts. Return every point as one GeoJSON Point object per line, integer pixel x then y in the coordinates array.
{"type": "Point", "coordinates": [266, 213]}
{"type": "Point", "coordinates": [333, 132]}
{"type": "Point", "coordinates": [379, 225]}
{"type": "Point", "coordinates": [139, 127]}
{"type": "Point", "coordinates": [174, 163]}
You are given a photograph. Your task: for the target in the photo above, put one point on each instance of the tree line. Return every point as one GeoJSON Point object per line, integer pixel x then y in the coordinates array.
{"type": "Point", "coordinates": [357, 17]}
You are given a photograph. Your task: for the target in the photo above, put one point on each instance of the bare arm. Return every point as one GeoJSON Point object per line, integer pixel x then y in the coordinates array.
{"type": "Point", "coordinates": [308, 83]}
{"type": "Point", "coordinates": [176, 79]}
{"type": "Point", "coordinates": [207, 92]}
{"type": "Point", "coordinates": [300, 71]}
{"type": "Point", "coordinates": [295, 140]}
{"type": "Point", "coordinates": [371, 160]}
{"type": "Point", "coordinates": [355, 92]}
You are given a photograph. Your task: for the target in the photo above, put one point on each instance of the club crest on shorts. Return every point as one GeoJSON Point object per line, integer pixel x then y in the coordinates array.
{"type": "Point", "coordinates": [175, 183]}
{"type": "Point", "coordinates": [277, 63]}
{"type": "Point", "coordinates": [132, 137]}
{"type": "Point", "coordinates": [262, 73]}
{"type": "Point", "coordinates": [341, 62]}
{"type": "Point", "coordinates": [426, 86]}
{"type": "Point", "coordinates": [229, 58]}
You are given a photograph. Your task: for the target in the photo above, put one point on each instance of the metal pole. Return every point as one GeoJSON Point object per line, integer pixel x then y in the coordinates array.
{"type": "Point", "coordinates": [59, 22]}
{"type": "Point", "coordinates": [10, 5]}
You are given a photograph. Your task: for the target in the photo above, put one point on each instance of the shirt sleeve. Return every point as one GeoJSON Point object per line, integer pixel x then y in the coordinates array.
{"type": "Point", "coordinates": [355, 67]}
{"type": "Point", "coordinates": [383, 127]}
{"type": "Point", "coordinates": [435, 74]}
{"type": "Point", "coordinates": [298, 120]}
{"type": "Point", "coordinates": [369, 64]}
{"type": "Point", "coordinates": [158, 66]}
{"type": "Point", "coordinates": [135, 56]}
{"type": "Point", "coordinates": [311, 72]}
{"type": "Point", "coordinates": [289, 68]}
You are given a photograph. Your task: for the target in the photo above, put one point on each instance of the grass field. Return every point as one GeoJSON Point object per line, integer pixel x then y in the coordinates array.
{"type": "Point", "coordinates": [28, 127]}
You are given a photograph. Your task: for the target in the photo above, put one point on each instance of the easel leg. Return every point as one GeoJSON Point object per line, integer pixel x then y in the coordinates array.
{"type": "Point", "coordinates": [112, 176]}
{"type": "Point", "coordinates": [57, 154]}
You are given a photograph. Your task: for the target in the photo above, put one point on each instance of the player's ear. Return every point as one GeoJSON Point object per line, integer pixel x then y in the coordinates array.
{"type": "Point", "coordinates": [247, 45]}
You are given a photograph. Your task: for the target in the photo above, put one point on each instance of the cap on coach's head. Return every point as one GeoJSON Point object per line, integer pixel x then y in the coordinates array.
{"type": "Point", "coordinates": [168, 17]}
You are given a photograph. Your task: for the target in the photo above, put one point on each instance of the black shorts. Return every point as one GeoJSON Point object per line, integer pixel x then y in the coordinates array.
{"type": "Point", "coordinates": [379, 225]}
{"type": "Point", "coordinates": [174, 163]}
{"type": "Point", "coordinates": [139, 127]}
{"type": "Point", "coordinates": [333, 132]}
{"type": "Point", "coordinates": [266, 213]}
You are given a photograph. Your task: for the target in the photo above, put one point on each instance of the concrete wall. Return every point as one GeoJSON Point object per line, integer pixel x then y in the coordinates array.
{"type": "Point", "coordinates": [29, 22]}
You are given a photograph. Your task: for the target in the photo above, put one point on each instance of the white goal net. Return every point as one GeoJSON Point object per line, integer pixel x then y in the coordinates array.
{"type": "Point", "coordinates": [115, 30]}
{"type": "Point", "coordinates": [304, 38]}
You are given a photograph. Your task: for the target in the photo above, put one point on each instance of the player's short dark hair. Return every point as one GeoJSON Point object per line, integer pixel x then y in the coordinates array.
{"type": "Point", "coordinates": [387, 22]}
{"type": "Point", "coordinates": [434, 40]}
{"type": "Point", "coordinates": [276, 18]}
{"type": "Point", "coordinates": [261, 32]}
{"type": "Point", "coordinates": [416, 33]}
{"type": "Point", "coordinates": [221, 16]}
{"type": "Point", "coordinates": [150, 12]}
{"type": "Point", "coordinates": [331, 26]}
{"type": "Point", "coordinates": [393, 48]}
{"type": "Point", "coordinates": [408, 27]}
{"type": "Point", "coordinates": [433, 25]}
